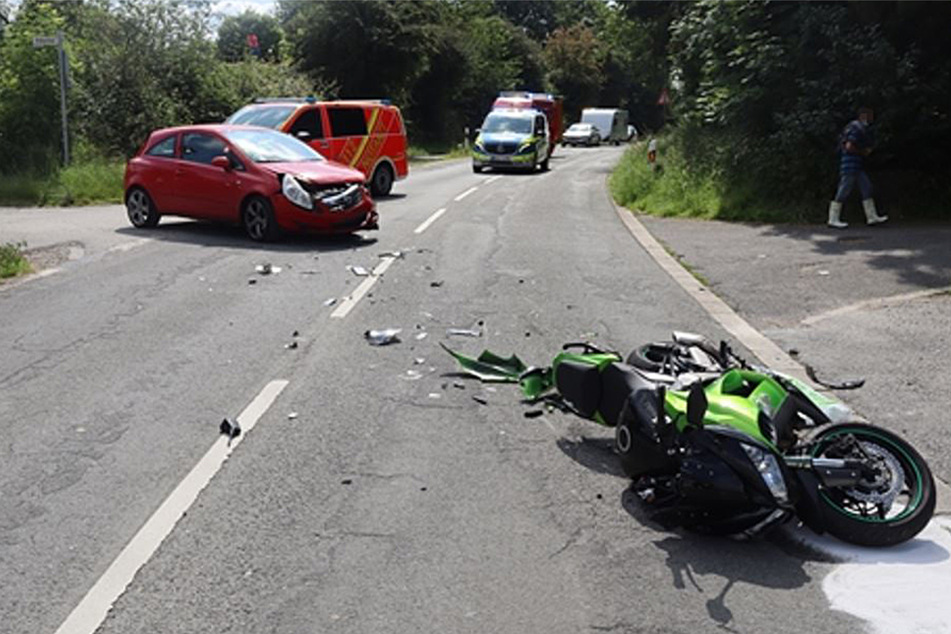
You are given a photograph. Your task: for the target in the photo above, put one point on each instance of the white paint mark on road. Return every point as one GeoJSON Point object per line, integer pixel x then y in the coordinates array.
{"type": "Point", "coordinates": [465, 193]}
{"type": "Point", "coordinates": [91, 611]}
{"type": "Point", "coordinates": [128, 246]}
{"type": "Point", "coordinates": [898, 590]}
{"type": "Point", "coordinates": [874, 304]}
{"type": "Point", "coordinates": [423, 227]}
{"type": "Point", "coordinates": [493, 179]}
{"type": "Point", "coordinates": [347, 304]}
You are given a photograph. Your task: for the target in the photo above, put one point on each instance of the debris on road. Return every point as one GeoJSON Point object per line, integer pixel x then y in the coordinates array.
{"type": "Point", "coordinates": [490, 366]}
{"type": "Point", "coordinates": [330, 302]}
{"type": "Point", "coordinates": [358, 270]}
{"type": "Point", "coordinates": [229, 428]}
{"type": "Point", "coordinates": [436, 283]}
{"type": "Point", "coordinates": [435, 395]}
{"type": "Point", "coordinates": [396, 255]}
{"type": "Point", "coordinates": [346, 481]}
{"type": "Point", "coordinates": [851, 384]}
{"type": "Point", "coordinates": [459, 385]}
{"type": "Point", "coordinates": [419, 361]}
{"type": "Point", "coordinates": [267, 269]}
{"type": "Point", "coordinates": [422, 335]}
{"type": "Point", "coordinates": [291, 346]}
{"type": "Point", "coordinates": [413, 375]}
{"type": "Point", "coordinates": [481, 400]}
{"type": "Point", "coordinates": [383, 337]}
{"type": "Point", "coordinates": [534, 413]}
{"type": "Point", "coordinates": [465, 332]}
{"type": "Point", "coordinates": [295, 333]}
{"type": "Point", "coordinates": [292, 416]}
{"type": "Point", "coordinates": [252, 281]}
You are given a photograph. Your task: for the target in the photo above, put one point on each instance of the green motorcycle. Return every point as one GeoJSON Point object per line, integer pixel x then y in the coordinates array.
{"type": "Point", "coordinates": [735, 449]}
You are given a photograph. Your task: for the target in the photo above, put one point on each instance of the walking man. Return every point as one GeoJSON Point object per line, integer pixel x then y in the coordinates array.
{"type": "Point", "coordinates": [855, 144]}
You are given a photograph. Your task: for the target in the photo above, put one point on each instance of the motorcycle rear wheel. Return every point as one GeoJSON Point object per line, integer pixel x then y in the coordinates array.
{"type": "Point", "coordinates": [862, 515]}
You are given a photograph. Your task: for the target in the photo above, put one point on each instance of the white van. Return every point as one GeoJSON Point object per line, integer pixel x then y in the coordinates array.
{"type": "Point", "coordinates": [610, 122]}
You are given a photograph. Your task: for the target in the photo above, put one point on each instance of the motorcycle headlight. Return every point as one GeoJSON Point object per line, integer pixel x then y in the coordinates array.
{"type": "Point", "coordinates": [768, 467]}
{"type": "Point", "coordinates": [293, 191]}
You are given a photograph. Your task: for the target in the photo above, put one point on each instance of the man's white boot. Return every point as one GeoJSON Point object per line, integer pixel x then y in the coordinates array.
{"type": "Point", "coordinates": [835, 212]}
{"type": "Point", "coordinates": [871, 215]}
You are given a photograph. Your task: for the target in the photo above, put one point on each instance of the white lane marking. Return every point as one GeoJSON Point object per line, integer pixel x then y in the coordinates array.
{"type": "Point", "coordinates": [897, 590]}
{"type": "Point", "coordinates": [423, 227]}
{"type": "Point", "coordinates": [91, 611]}
{"type": "Point", "coordinates": [493, 179]}
{"type": "Point", "coordinates": [347, 305]}
{"type": "Point", "coordinates": [465, 193]}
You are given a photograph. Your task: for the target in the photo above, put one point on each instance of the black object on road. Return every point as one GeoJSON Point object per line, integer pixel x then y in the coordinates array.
{"type": "Point", "coordinates": [230, 428]}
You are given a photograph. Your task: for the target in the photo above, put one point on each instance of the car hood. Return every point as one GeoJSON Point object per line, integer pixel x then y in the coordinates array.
{"type": "Point", "coordinates": [317, 172]}
{"type": "Point", "coordinates": [503, 137]}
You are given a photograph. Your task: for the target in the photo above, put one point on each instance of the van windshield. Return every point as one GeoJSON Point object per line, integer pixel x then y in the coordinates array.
{"type": "Point", "coordinates": [507, 123]}
{"type": "Point", "coordinates": [264, 116]}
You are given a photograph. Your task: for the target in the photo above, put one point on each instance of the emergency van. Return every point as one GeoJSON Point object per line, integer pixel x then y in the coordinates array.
{"type": "Point", "coordinates": [551, 105]}
{"type": "Point", "coordinates": [364, 134]}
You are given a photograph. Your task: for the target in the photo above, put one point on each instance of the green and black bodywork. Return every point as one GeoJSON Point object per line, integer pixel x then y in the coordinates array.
{"type": "Point", "coordinates": [739, 450]}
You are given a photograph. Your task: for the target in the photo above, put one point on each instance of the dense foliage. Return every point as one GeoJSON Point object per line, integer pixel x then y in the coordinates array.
{"type": "Point", "coordinates": [758, 90]}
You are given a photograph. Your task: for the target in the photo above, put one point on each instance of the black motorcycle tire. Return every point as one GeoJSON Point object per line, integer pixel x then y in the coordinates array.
{"type": "Point", "coordinates": [653, 357]}
{"type": "Point", "coordinates": [851, 527]}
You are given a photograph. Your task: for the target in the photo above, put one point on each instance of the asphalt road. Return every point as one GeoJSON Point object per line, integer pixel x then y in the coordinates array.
{"type": "Point", "coordinates": [391, 503]}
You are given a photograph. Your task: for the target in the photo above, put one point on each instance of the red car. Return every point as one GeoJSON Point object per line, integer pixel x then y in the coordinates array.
{"type": "Point", "coordinates": [266, 180]}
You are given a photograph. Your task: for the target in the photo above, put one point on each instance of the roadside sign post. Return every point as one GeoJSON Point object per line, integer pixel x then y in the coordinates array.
{"type": "Point", "coordinates": [57, 41]}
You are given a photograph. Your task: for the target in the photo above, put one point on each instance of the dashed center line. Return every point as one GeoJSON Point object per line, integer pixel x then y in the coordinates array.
{"type": "Point", "coordinates": [425, 225]}
{"type": "Point", "coordinates": [92, 610]}
{"type": "Point", "coordinates": [465, 193]}
{"type": "Point", "coordinates": [348, 304]}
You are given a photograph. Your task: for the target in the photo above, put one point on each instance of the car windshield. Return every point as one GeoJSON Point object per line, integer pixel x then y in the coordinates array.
{"type": "Point", "coordinates": [264, 116]}
{"type": "Point", "coordinates": [507, 123]}
{"type": "Point", "coordinates": [580, 127]}
{"type": "Point", "coordinates": [267, 146]}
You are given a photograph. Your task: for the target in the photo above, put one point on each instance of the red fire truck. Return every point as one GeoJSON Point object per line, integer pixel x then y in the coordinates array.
{"type": "Point", "coordinates": [550, 104]}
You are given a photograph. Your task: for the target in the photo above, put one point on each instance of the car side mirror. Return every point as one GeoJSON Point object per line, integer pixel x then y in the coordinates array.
{"type": "Point", "coordinates": [303, 135]}
{"type": "Point", "coordinates": [696, 405]}
{"type": "Point", "coordinates": [223, 162]}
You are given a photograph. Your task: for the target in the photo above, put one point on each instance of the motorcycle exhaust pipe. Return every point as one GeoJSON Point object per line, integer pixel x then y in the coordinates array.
{"type": "Point", "coordinates": [832, 472]}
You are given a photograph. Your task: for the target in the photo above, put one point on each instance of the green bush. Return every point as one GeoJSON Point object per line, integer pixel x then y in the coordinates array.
{"type": "Point", "coordinates": [98, 181]}
{"type": "Point", "coordinates": [12, 262]}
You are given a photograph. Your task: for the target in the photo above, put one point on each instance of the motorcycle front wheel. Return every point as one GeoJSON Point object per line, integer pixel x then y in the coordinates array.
{"type": "Point", "coordinates": [884, 510]}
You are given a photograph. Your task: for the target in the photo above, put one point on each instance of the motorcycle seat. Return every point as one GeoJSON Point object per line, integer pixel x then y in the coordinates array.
{"type": "Point", "coordinates": [580, 386]}
{"type": "Point", "coordinates": [621, 383]}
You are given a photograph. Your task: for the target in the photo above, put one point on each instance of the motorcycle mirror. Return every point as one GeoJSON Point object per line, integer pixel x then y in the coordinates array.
{"type": "Point", "coordinates": [696, 405]}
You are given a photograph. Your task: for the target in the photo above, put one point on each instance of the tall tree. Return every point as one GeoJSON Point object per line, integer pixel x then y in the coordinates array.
{"type": "Point", "coordinates": [234, 35]}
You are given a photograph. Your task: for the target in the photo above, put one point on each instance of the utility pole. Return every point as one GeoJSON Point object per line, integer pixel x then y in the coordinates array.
{"type": "Point", "coordinates": [58, 40]}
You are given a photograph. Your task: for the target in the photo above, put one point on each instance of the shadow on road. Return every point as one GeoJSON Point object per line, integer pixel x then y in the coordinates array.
{"type": "Point", "coordinates": [232, 237]}
{"type": "Point", "coordinates": [917, 253]}
{"type": "Point", "coordinates": [596, 454]}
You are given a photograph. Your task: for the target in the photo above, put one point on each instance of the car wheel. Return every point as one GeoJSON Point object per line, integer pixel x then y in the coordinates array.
{"type": "Point", "coordinates": [382, 181]}
{"type": "Point", "coordinates": [140, 209]}
{"type": "Point", "coordinates": [477, 169]}
{"type": "Point", "coordinates": [257, 216]}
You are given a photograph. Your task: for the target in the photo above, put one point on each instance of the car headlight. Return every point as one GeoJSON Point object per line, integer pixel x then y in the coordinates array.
{"type": "Point", "coordinates": [768, 467]}
{"type": "Point", "coordinates": [526, 148]}
{"type": "Point", "coordinates": [479, 145]}
{"type": "Point", "coordinates": [293, 191]}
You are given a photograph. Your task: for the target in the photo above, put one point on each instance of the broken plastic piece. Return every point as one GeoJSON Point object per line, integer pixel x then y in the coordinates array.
{"type": "Point", "coordinates": [291, 346]}
{"type": "Point", "coordinates": [292, 416]}
{"type": "Point", "coordinates": [421, 336]}
{"type": "Point", "coordinates": [358, 270]}
{"type": "Point", "coordinates": [331, 301]}
{"type": "Point", "coordinates": [263, 269]}
{"type": "Point", "coordinates": [229, 428]}
{"type": "Point", "coordinates": [534, 413]}
{"type": "Point", "coordinates": [413, 375]}
{"type": "Point", "coordinates": [396, 255]}
{"type": "Point", "coordinates": [852, 384]}
{"type": "Point", "coordinates": [383, 337]}
{"type": "Point", "coordinates": [480, 400]}
{"type": "Point", "coordinates": [465, 332]}
{"type": "Point", "coordinates": [490, 366]}
{"type": "Point", "coordinates": [436, 283]}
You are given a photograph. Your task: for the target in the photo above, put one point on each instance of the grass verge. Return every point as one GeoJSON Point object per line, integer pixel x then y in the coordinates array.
{"type": "Point", "coordinates": [426, 153]}
{"type": "Point", "coordinates": [84, 183]}
{"type": "Point", "coordinates": [12, 260]}
{"type": "Point", "coordinates": [670, 188]}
